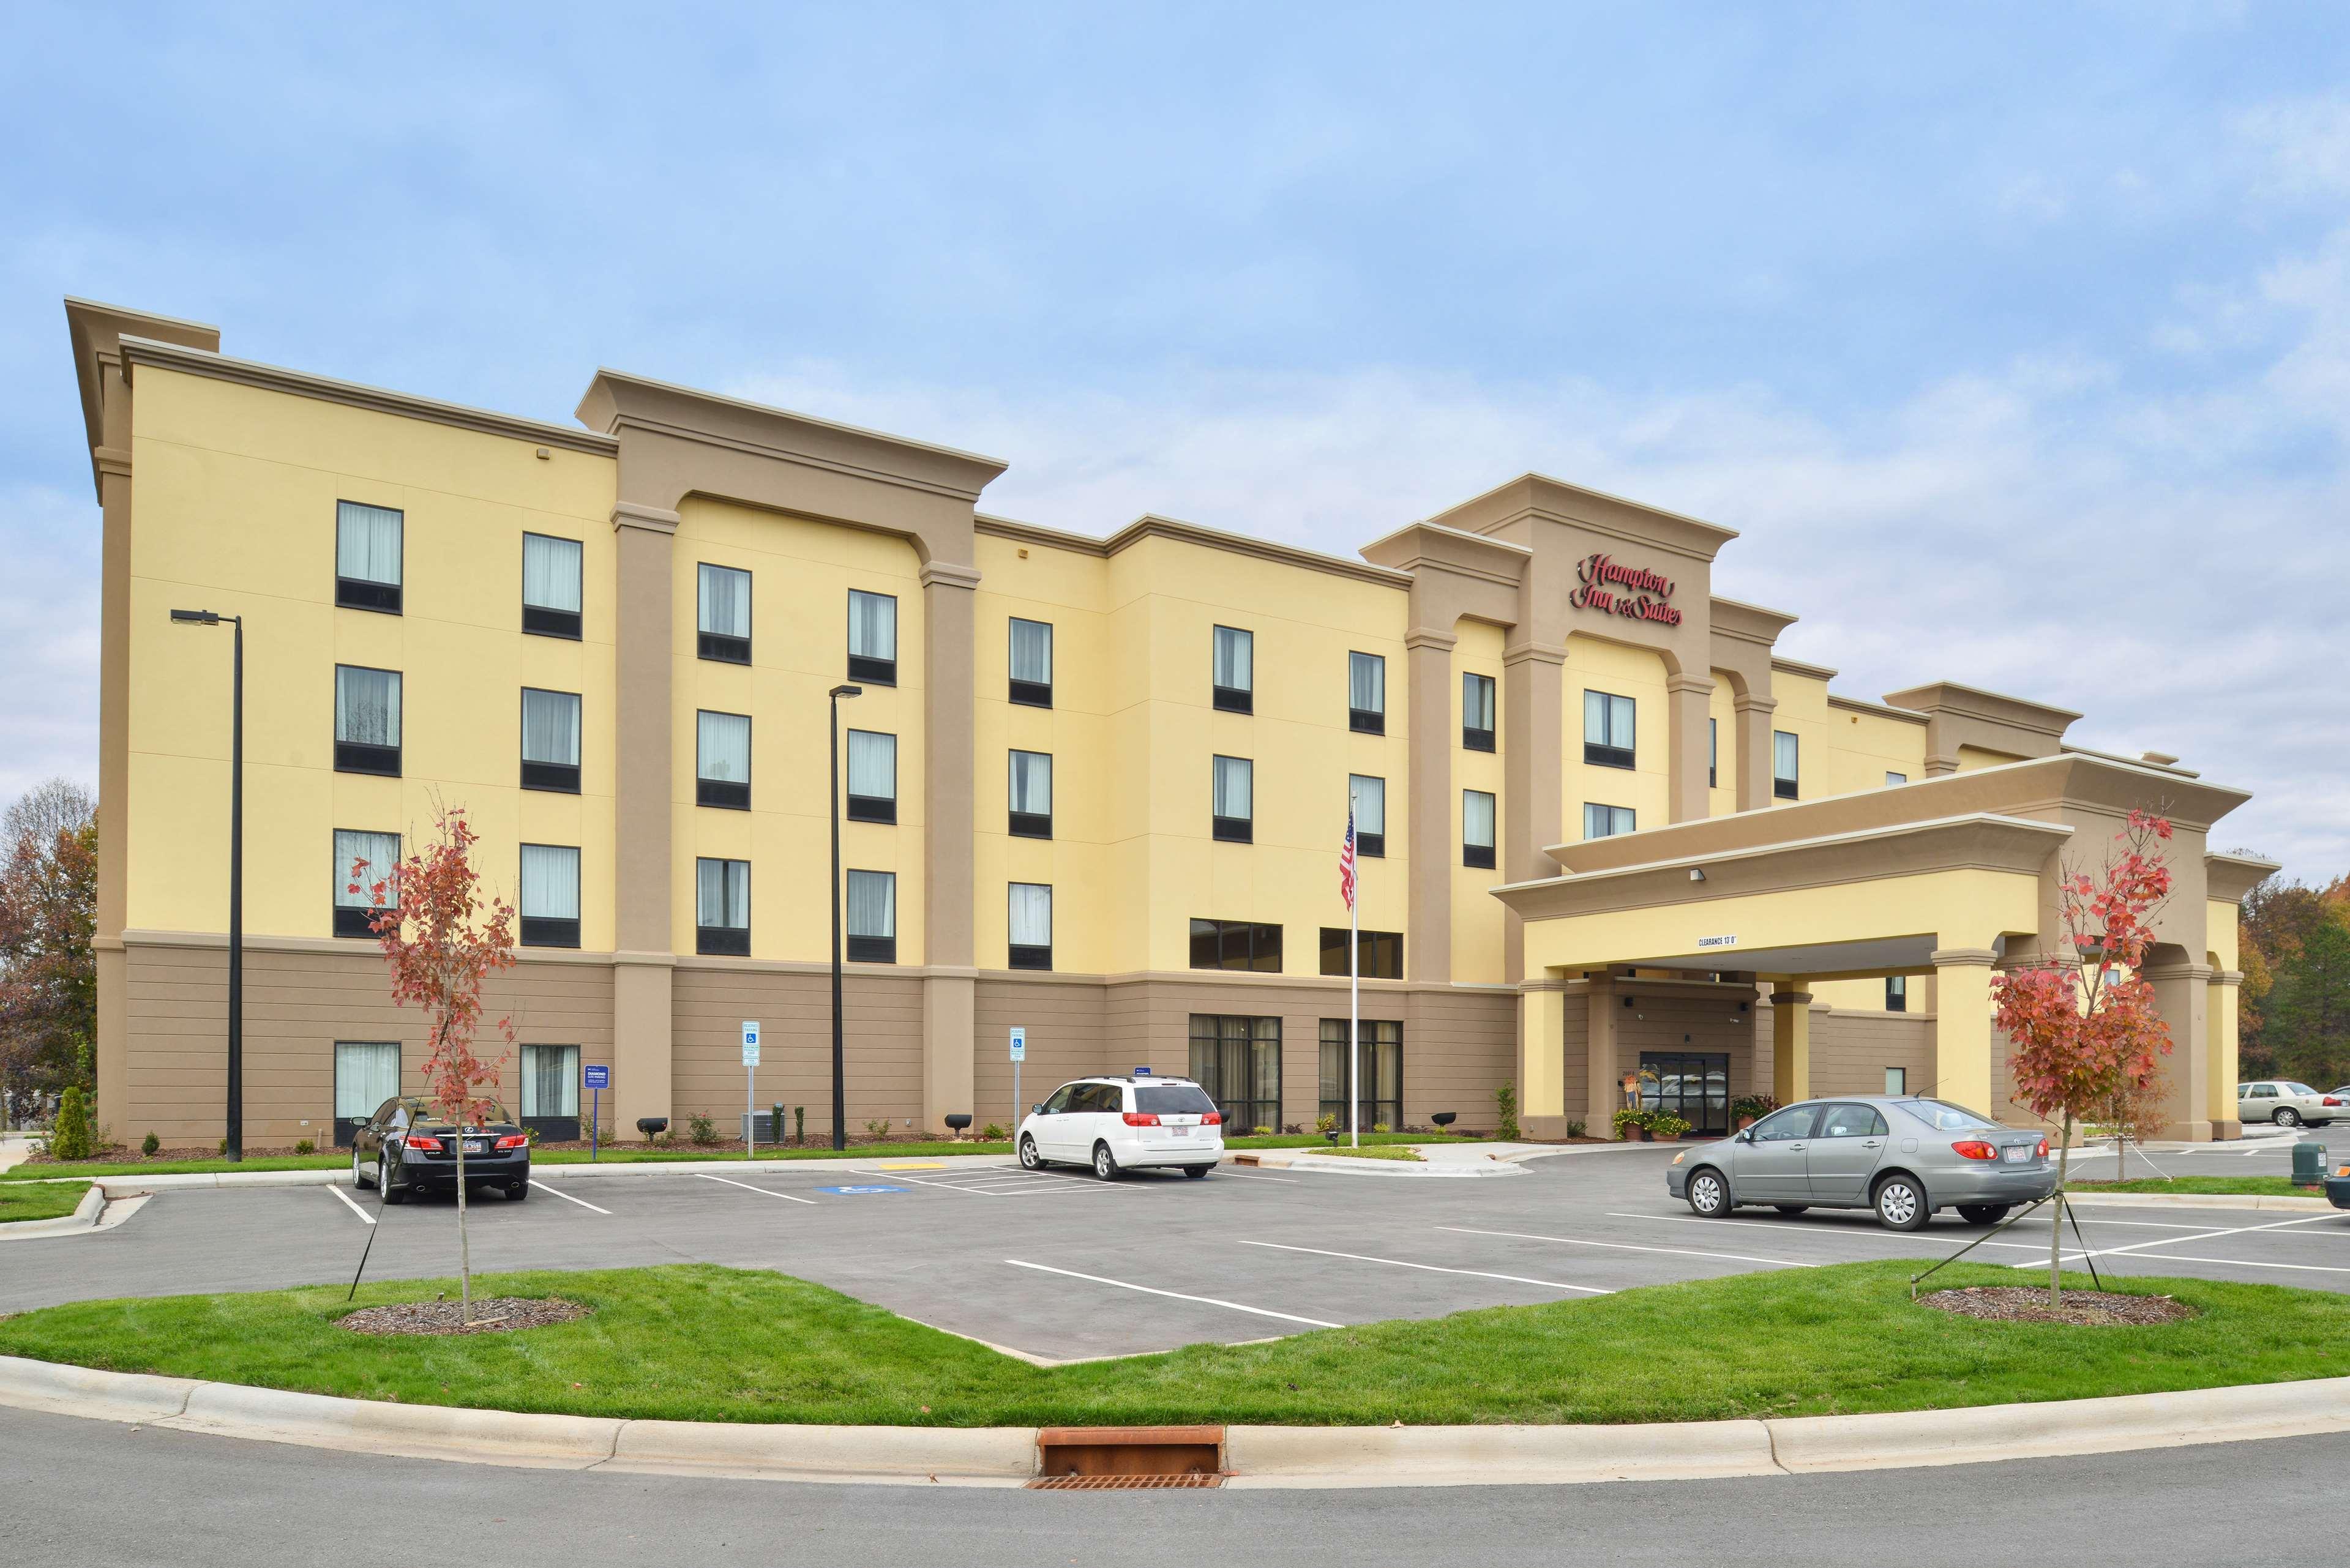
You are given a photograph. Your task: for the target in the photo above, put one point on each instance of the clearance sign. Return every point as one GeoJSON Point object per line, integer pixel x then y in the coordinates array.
{"type": "Point", "coordinates": [1643, 594]}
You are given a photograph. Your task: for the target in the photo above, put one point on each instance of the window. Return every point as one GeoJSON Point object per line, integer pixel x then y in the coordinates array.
{"type": "Point", "coordinates": [1235, 944]}
{"type": "Point", "coordinates": [367, 720]}
{"type": "Point", "coordinates": [722, 908]}
{"type": "Point", "coordinates": [367, 1074]}
{"type": "Point", "coordinates": [1607, 730]}
{"type": "Point", "coordinates": [722, 760]}
{"type": "Point", "coordinates": [724, 616]}
{"type": "Point", "coordinates": [1371, 800]}
{"type": "Point", "coordinates": [1381, 953]}
{"type": "Point", "coordinates": [1607, 821]}
{"type": "Point", "coordinates": [1785, 1126]}
{"type": "Point", "coordinates": [1031, 794]}
{"type": "Point", "coordinates": [1477, 712]}
{"type": "Point", "coordinates": [873, 916]}
{"type": "Point", "coordinates": [872, 776]}
{"type": "Point", "coordinates": [1030, 925]}
{"type": "Point", "coordinates": [1477, 829]}
{"type": "Point", "coordinates": [1366, 693]}
{"type": "Point", "coordinates": [550, 740]}
{"type": "Point", "coordinates": [1032, 662]}
{"type": "Point", "coordinates": [1896, 1080]}
{"type": "Point", "coordinates": [550, 895]}
{"type": "Point", "coordinates": [1713, 754]}
{"type": "Point", "coordinates": [1893, 778]}
{"type": "Point", "coordinates": [1852, 1121]}
{"type": "Point", "coordinates": [1238, 1062]}
{"type": "Point", "coordinates": [872, 638]}
{"type": "Point", "coordinates": [1897, 993]}
{"type": "Point", "coordinates": [551, 585]}
{"type": "Point", "coordinates": [1235, 819]}
{"type": "Point", "coordinates": [1379, 1083]}
{"type": "Point", "coordinates": [1235, 673]}
{"type": "Point", "coordinates": [550, 1090]}
{"type": "Point", "coordinates": [366, 556]}
{"type": "Point", "coordinates": [355, 903]}
{"type": "Point", "coordinates": [1785, 754]}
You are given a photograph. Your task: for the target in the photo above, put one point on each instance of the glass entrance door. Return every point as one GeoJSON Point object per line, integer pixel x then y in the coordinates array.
{"type": "Point", "coordinates": [1692, 1085]}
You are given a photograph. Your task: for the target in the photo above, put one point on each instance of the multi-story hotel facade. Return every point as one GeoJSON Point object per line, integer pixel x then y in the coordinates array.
{"type": "Point", "coordinates": [1092, 787]}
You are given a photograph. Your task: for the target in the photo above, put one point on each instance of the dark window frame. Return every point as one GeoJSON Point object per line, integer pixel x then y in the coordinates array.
{"type": "Point", "coordinates": [1029, 823]}
{"type": "Point", "coordinates": [870, 949]}
{"type": "Point", "coordinates": [361, 756]}
{"type": "Point", "coordinates": [1606, 753]}
{"type": "Point", "coordinates": [870, 667]}
{"type": "Point", "coordinates": [878, 809]}
{"type": "Point", "coordinates": [1613, 831]}
{"type": "Point", "coordinates": [1479, 856]}
{"type": "Point", "coordinates": [1231, 829]}
{"type": "Point", "coordinates": [366, 593]}
{"type": "Point", "coordinates": [555, 778]}
{"type": "Point", "coordinates": [1897, 993]}
{"type": "Point", "coordinates": [1261, 1035]}
{"type": "Point", "coordinates": [722, 647]}
{"type": "Point", "coordinates": [1259, 944]}
{"type": "Point", "coordinates": [352, 919]}
{"type": "Point", "coordinates": [538, 620]}
{"type": "Point", "coordinates": [1367, 845]}
{"type": "Point", "coordinates": [550, 931]}
{"type": "Point", "coordinates": [1473, 738]}
{"type": "Point", "coordinates": [721, 942]}
{"type": "Point", "coordinates": [1712, 754]}
{"type": "Point", "coordinates": [1367, 721]}
{"type": "Point", "coordinates": [1367, 1040]}
{"type": "Point", "coordinates": [1231, 699]}
{"type": "Point", "coordinates": [720, 794]}
{"type": "Point", "coordinates": [1789, 787]}
{"type": "Point", "coordinates": [1029, 693]}
{"type": "Point", "coordinates": [1381, 953]}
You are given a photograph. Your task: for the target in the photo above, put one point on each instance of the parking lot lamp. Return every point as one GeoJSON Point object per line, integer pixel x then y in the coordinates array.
{"type": "Point", "coordinates": [235, 1118]}
{"type": "Point", "coordinates": [840, 1091]}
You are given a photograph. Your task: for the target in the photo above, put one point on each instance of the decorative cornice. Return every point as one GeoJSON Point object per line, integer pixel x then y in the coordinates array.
{"type": "Point", "coordinates": [2227, 977]}
{"type": "Point", "coordinates": [948, 574]}
{"type": "Point", "coordinates": [1876, 709]}
{"type": "Point", "coordinates": [1157, 527]}
{"type": "Point", "coordinates": [651, 519]}
{"type": "Point", "coordinates": [1420, 636]}
{"type": "Point", "coordinates": [1743, 622]}
{"type": "Point", "coordinates": [110, 460]}
{"type": "Point", "coordinates": [1749, 703]}
{"type": "Point", "coordinates": [2227, 877]}
{"type": "Point", "coordinates": [1797, 667]}
{"type": "Point", "coordinates": [1699, 685]}
{"type": "Point", "coordinates": [1791, 998]}
{"type": "Point", "coordinates": [1962, 958]}
{"type": "Point", "coordinates": [1531, 652]}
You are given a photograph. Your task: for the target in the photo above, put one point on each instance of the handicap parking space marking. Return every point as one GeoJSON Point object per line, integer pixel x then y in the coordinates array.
{"type": "Point", "coordinates": [1174, 1295]}
{"type": "Point", "coordinates": [763, 1191]}
{"type": "Point", "coordinates": [548, 1186]}
{"type": "Point", "coordinates": [865, 1191]}
{"type": "Point", "coordinates": [365, 1218]}
{"type": "Point", "coordinates": [2174, 1241]}
{"type": "Point", "coordinates": [1433, 1268]}
{"type": "Point", "coordinates": [1628, 1246]}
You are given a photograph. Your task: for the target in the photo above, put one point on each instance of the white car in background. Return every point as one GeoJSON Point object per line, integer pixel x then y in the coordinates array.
{"type": "Point", "coordinates": [2287, 1103]}
{"type": "Point", "coordinates": [1117, 1125]}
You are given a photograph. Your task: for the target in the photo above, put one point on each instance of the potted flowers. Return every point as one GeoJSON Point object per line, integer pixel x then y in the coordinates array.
{"type": "Point", "coordinates": [1748, 1109]}
{"type": "Point", "coordinates": [1632, 1124]}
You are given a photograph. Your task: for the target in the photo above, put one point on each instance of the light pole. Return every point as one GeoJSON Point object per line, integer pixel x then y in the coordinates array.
{"type": "Point", "coordinates": [839, 1090]}
{"type": "Point", "coordinates": [236, 1150]}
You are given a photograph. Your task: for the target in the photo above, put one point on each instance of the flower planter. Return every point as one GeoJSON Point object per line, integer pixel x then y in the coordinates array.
{"type": "Point", "coordinates": [1745, 1122]}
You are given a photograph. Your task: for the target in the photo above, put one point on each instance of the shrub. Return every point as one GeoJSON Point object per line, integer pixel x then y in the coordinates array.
{"type": "Point", "coordinates": [1628, 1119]}
{"type": "Point", "coordinates": [1326, 1122]}
{"type": "Point", "coordinates": [878, 1130]}
{"type": "Point", "coordinates": [71, 1137]}
{"type": "Point", "coordinates": [1259, 1132]}
{"type": "Point", "coordinates": [1664, 1124]}
{"type": "Point", "coordinates": [991, 1132]}
{"type": "Point", "coordinates": [705, 1131]}
{"type": "Point", "coordinates": [1755, 1106]}
{"type": "Point", "coordinates": [221, 1148]}
{"type": "Point", "coordinates": [799, 1124]}
{"type": "Point", "coordinates": [1380, 1127]}
{"type": "Point", "coordinates": [304, 1145]}
{"type": "Point", "coordinates": [1293, 1128]}
{"type": "Point", "coordinates": [1575, 1129]}
{"type": "Point", "coordinates": [532, 1134]}
{"type": "Point", "coordinates": [150, 1144]}
{"type": "Point", "coordinates": [775, 1124]}
{"type": "Point", "coordinates": [1506, 1099]}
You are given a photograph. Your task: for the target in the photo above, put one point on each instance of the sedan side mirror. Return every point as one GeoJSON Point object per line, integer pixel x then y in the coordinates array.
{"type": "Point", "coordinates": [1744, 1135]}
{"type": "Point", "coordinates": [1037, 1109]}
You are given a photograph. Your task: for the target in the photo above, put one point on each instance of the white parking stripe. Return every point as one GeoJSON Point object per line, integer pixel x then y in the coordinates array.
{"type": "Point", "coordinates": [1860, 1234]}
{"type": "Point", "coordinates": [1253, 1175]}
{"type": "Point", "coordinates": [2174, 1241]}
{"type": "Point", "coordinates": [1628, 1246]}
{"type": "Point", "coordinates": [550, 1187]}
{"type": "Point", "coordinates": [365, 1218]}
{"type": "Point", "coordinates": [2228, 1263]}
{"type": "Point", "coordinates": [1177, 1295]}
{"type": "Point", "coordinates": [1431, 1268]}
{"type": "Point", "coordinates": [763, 1191]}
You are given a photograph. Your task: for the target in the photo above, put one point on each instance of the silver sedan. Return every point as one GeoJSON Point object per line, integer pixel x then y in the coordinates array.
{"type": "Point", "coordinates": [1906, 1158]}
{"type": "Point", "coordinates": [2287, 1103]}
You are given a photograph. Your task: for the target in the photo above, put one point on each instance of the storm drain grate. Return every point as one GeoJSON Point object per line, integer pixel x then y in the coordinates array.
{"type": "Point", "coordinates": [1121, 1483]}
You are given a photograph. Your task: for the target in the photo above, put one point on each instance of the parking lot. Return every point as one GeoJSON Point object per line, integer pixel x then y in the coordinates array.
{"type": "Point", "coordinates": [1059, 1266]}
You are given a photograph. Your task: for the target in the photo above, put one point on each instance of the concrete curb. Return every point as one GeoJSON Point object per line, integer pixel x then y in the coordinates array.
{"type": "Point", "coordinates": [84, 1216]}
{"type": "Point", "coordinates": [1299, 1456]}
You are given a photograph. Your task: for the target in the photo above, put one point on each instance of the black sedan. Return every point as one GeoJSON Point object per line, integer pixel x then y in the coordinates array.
{"type": "Point", "coordinates": [408, 1146]}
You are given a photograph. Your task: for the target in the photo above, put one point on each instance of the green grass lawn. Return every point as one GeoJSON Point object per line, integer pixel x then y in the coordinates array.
{"type": "Point", "coordinates": [697, 1341]}
{"type": "Point", "coordinates": [2246, 1186]}
{"type": "Point", "coordinates": [52, 1201]}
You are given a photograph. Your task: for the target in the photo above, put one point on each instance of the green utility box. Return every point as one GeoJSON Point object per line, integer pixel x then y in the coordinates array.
{"type": "Point", "coordinates": [2309, 1165]}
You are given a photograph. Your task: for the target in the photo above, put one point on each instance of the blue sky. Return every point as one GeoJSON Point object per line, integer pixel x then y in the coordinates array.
{"type": "Point", "coordinates": [2016, 339]}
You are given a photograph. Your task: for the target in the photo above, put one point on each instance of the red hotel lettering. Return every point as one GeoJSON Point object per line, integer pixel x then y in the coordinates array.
{"type": "Point", "coordinates": [1597, 571]}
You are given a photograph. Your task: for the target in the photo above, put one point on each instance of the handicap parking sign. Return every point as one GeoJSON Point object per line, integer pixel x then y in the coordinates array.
{"type": "Point", "coordinates": [858, 1191]}
{"type": "Point", "coordinates": [598, 1078]}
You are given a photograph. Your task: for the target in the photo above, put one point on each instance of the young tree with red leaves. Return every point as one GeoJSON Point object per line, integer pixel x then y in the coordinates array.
{"type": "Point", "coordinates": [2082, 1018]}
{"type": "Point", "coordinates": [442, 939]}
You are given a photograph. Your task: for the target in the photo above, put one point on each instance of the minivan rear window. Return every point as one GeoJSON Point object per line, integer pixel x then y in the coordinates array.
{"type": "Point", "coordinates": [1944, 1116]}
{"type": "Point", "coordinates": [1173, 1100]}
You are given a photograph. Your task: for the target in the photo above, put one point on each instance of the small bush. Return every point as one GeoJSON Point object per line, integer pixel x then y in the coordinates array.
{"type": "Point", "coordinates": [71, 1138]}
{"type": "Point", "coordinates": [1259, 1132]}
{"type": "Point", "coordinates": [1664, 1125]}
{"type": "Point", "coordinates": [1380, 1127]}
{"type": "Point", "coordinates": [991, 1132]}
{"type": "Point", "coordinates": [775, 1124]}
{"type": "Point", "coordinates": [1293, 1128]}
{"type": "Point", "coordinates": [1628, 1119]}
{"type": "Point", "coordinates": [1755, 1106]}
{"type": "Point", "coordinates": [1506, 1099]}
{"type": "Point", "coordinates": [221, 1148]}
{"type": "Point", "coordinates": [150, 1144]}
{"type": "Point", "coordinates": [304, 1145]}
{"type": "Point", "coordinates": [705, 1131]}
{"type": "Point", "coordinates": [1575, 1129]}
{"type": "Point", "coordinates": [1326, 1122]}
{"type": "Point", "coordinates": [878, 1130]}
{"type": "Point", "coordinates": [799, 1124]}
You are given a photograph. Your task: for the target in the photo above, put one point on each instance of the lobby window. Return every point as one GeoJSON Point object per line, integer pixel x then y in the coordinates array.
{"type": "Point", "coordinates": [1029, 924]}
{"type": "Point", "coordinates": [550, 1090]}
{"type": "Point", "coordinates": [550, 895]}
{"type": "Point", "coordinates": [722, 760]}
{"type": "Point", "coordinates": [550, 740]}
{"type": "Point", "coordinates": [366, 556]}
{"type": "Point", "coordinates": [1370, 798]}
{"type": "Point", "coordinates": [723, 618]}
{"type": "Point", "coordinates": [1897, 1081]}
{"type": "Point", "coordinates": [550, 587]}
{"type": "Point", "coordinates": [1238, 1062]}
{"type": "Point", "coordinates": [1607, 821]}
{"type": "Point", "coordinates": [1607, 730]}
{"type": "Point", "coordinates": [1713, 754]}
{"type": "Point", "coordinates": [1234, 670]}
{"type": "Point", "coordinates": [1897, 993]}
{"type": "Point", "coordinates": [722, 908]}
{"type": "Point", "coordinates": [367, 1074]}
{"type": "Point", "coordinates": [1235, 780]}
{"type": "Point", "coordinates": [1477, 829]}
{"type": "Point", "coordinates": [1378, 1082]}
{"type": "Point", "coordinates": [367, 720]}
{"type": "Point", "coordinates": [872, 638]}
{"type": "Point", "coordinates": [1032, 662]}
{"type": "Point", "coordinates": [872, 776]}
{"type": "Point", "coordinates": [1366, 693]}
{"type": "Point", "coordinates": [1236, 944]}
{"type": "Point", "coordinates": [873, 916]}
{"type": "Point", "coordinates": [1477, 712]}
{"type": "Point", "coordinates": [1031, 794]}
{"type": "Point", "coordinates": [1381, 953]}
{"type": "Point", "coordinates": [1786, 756]}
{"type": "Point", "coordinates": [355, 904]}
{"type": "Point", "coordinates": [1892, 778]}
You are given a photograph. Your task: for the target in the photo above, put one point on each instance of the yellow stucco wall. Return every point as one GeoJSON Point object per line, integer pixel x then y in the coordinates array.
{"type": "Point", "coordinates": [1593, 665]}
{"type": "Point", "coordinates": [1863, 748]}
{"type": "Point", "coordinates": [1721, 799]}
{"type": "Point", "coordinates": [1974, 757]}
{"type": "Point", "coordinates": [1476, 915]}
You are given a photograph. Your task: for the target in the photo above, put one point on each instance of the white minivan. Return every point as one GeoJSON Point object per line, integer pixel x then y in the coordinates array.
{"type": "Point", "coordinates": [1122, 1124]}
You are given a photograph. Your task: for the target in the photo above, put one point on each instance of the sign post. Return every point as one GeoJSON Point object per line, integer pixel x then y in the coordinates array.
{"type": "Point", "coordinates": [750, 1085]}
{"type": "Point", "coordinates": [1019, 1054]}
{"type": "Point", "coordinates": [598, 1080]}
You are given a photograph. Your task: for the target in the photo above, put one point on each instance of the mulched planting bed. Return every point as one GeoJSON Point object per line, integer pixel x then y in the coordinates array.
{"type": "Point", "coordinates": [2082, 1309]}
{"type": "Point", "coordinates": [492, 1315]}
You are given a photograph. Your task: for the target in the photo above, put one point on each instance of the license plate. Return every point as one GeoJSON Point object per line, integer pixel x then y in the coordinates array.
{"type": "Point", "coordinates": [2018, 1153]}
{"type": "Point", "coordinates": [1181, 1132]}
{"type": "Point", "coordinates": [476, 1145]}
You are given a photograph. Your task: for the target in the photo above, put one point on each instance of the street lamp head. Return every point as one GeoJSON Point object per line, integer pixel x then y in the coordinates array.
{"type": "Point", "coordinates": [848, 691]}
{"type": "Point", "coordinates": [196, 618]}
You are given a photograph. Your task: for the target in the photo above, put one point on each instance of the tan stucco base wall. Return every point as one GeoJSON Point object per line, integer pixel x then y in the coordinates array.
{"type": "Point", "coordinates": [1851, 1050]}
{"type": "Point", "coordinates": [881, 1029]}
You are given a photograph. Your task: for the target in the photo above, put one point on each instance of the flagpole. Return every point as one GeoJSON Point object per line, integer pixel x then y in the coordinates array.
{"type": "Point", "coordinates": [1354, 991]}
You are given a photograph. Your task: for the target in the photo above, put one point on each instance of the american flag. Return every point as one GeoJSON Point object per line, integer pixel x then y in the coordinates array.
{"type": "Point", "coordinates": [1347, 861]}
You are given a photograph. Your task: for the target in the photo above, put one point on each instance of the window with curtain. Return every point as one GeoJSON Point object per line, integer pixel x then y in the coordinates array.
{"type": "Point", "coordinates": [1032, 662]}
{"type": "Point", "coordinates": [1607, 730]}
{"type": "Point", "coordinates": [1713, 754]}
{"type": "Point", "coordinates": [366, 556]}
{"type": "Point", "coordinates": [1477, 829]}
{"type": "Point", "coordinates": [1234, 671]}
{"type": "Point", "coordinates": [1237, 1061]}
{"type": "Point", "coordinates": [1366, 693]}
{"type": "Point", "coordinates": [1477, 712]}
{"type": "Point", "coordinates": [1607, 821]}
{"type": "Point", "coordinates": [724, 617]}
{"type": "Point", "coordinates": [367, 720]}
{"type": "Point", "coordinates": [1897, 993]}
{"type": "Point", "coordinates": [550, 1089]}
{"type": "Point", "coordinates": [872, 638]}
{"type": "Point", "coordinates": [550, 895]}
{"type": "Point", "coordinates": [1370, 798]}
{"type": "Point", "coordinates": [1893, 778]}
{"type": "Point", "coordinates": [367, 1074]}
{"type": "Point", "coordinates": [721, 767]}
{"type": "Point", "coordinates": [355, 905]}
{"type": "Point", "coordinates": [872, 917]}
{"type": "Point", "coordinates": [1030, 925]}
{"type": "Point", "coordinates": [1032, 794]}
{"type": "Point", "coordinates": [550, 740]}
{"type": "Point", "coordinates": [872, 776]}
{"type": "Point", "coordinates": [721, 906]}
{"type": "Point", "coordinates": [551, 585]}
{"type": "Point", "coordinates": [1378, 1080]}
{"type": "Point", "coordinates": [1235, 779]}
{"type": "Point", "coordinates": [1785, 772]}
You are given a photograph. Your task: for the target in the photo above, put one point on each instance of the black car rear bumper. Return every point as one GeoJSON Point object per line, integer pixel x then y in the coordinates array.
{"type": "Point", "coordinates": [424, 1173]}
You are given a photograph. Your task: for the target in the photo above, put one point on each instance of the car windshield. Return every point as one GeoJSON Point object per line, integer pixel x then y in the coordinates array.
{"type": "Point", "coordinates": [1173, 1100]}
{"type": "Point", "coordinates": [1944, 1116]}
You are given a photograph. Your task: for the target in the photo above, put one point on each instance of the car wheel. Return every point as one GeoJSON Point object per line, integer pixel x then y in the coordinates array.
{"type": "Point", "coordinates": [1197, 1171]}
{"type": "Point", "coordinates": [518, 1190]}
{"type": "Point", "coordinates": [1708, 1197]}
{"type": "Point", "coordinates": [1791, 1208]}
{"type": "Point", "coordinates": [1983, 1213]}
{"type": "Point", "coordinates": [392, 1192]}
{"type": "Point", "coordinates": [1901, 1204]}
{"type": "Point", "coordinates": [2286, 1116]}
{"type": "Point", "coordinates": [1029, 1158]}
{"type": "Point", "coordinates": [360, 1183]}
{"type": "Point", "coordinates": [1105, 1162]}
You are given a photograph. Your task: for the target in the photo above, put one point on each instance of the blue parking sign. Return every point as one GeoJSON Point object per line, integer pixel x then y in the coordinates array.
{"type": "Point", "coordinates": [595, 1077]}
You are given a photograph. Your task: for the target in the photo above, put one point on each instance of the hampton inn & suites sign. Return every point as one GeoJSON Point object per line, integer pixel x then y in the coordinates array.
{"type": "Point", "coordinates": [1633, 592]}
